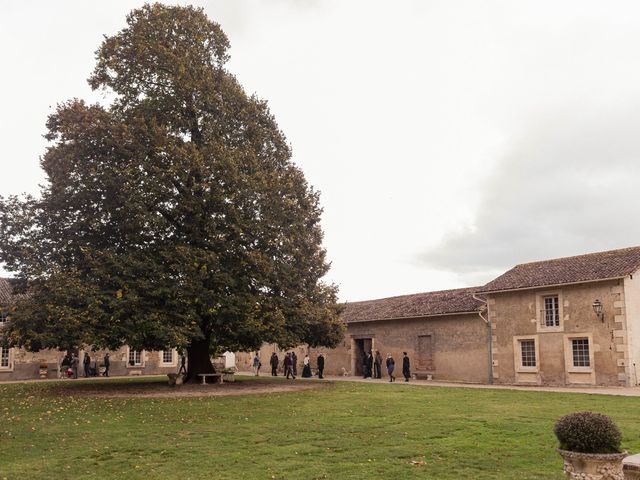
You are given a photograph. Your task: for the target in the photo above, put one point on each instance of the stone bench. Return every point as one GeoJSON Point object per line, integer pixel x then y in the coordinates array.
{"type": "Point", "coordinates": [422, 375]}
{"type": "Point", "coordinates": [216, 376]}
{"type": "Point", "coordinates": [631, 467]}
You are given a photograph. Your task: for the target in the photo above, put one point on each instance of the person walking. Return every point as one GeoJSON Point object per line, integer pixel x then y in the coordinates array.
{"type": "Point", "coordinates": [294, 364]}
{"type": "Point", "coordinates": [107, 364]}
{"type": "Point", "coordinates": [256, 365]}
{"type": "Point", "coordinates": [75, 361]}
{"type": "Point", "coordinates": [86, 363]}
{"type": "Point", "coordinates": [306, 368]}
{"type": "Point", "coordinates": [377, 365]}
{"type": "Point", "coordinates": [65, 365]}
{"type": "Point", "coordinates": [288, 370]}
{"type": "Point", "coordinates": [391, 366]}
{"type": "Point", "coordinates": [406, 367]}
{"type": "Point", "coordinates": [320, 365]}
{"type": "Point", "coordinates": [273, 361]}
{"type": "Point", "coordinates": [183, 365]}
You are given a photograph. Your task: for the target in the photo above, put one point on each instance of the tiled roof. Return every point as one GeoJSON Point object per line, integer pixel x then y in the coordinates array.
{"type": "Point", "coordinates": [581, 268]}
{"type": "Point", "coordinates": [5, 291]}
{"type": "Point", "coordinates": [417, 305]}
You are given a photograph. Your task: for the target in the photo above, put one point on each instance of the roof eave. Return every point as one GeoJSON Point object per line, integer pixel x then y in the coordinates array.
{"type": "Point", "coordinates": [474, 312]}
{"type": "Point", "coordinates": [486, 292]}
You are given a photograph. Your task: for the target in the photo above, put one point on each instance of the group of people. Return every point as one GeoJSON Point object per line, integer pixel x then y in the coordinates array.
{"type": "Point", "coordinates": [372, 366]}
{"type": "Point", "coordinates": [71, 361]}
{"type": "Point", "coordinates": [290, 365]}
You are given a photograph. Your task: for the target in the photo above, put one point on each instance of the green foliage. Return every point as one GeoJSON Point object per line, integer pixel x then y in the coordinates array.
{"type": "Point", "coordinates": [173, 216]}
{"type": "Point", "coordinates": [588, 432]}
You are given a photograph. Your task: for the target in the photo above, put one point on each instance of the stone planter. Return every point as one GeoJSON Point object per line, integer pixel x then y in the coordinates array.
{"type": "Point", "coordinates": [228, 377]}
{"type": "Point", "coordinates": [593, 466]}
{"type": "Point", "coordinates": [175, 379]}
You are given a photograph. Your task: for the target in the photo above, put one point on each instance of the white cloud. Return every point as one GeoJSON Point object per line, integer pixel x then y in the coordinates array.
{"type": "Point", "coordinates": [569, 185]}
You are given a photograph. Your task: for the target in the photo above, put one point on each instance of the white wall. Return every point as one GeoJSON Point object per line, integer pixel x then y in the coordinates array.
{"type": "Point", "coordinates": [632, 314]}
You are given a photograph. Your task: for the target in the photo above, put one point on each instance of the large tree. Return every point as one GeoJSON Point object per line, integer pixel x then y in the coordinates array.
{"type": "Point", "coordinates": [173, 217]}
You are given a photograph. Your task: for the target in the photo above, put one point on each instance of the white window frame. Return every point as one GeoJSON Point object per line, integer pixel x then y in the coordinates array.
{"type": "Point", "coordinates": [568, 352]}
{"type": "Point", "coordinates": [517, 353]}
{"type": "Point", "coordinates": [541, 325]}
{"type": "Point", "coordinates": [141, 355]}
{"type": "Point", "coordinates": [174, 357]}
{"type": "Point", "coordinates": [587, 360]}
{"type": "Point", "coordinates": [3, 317]}
{"type": "Point", "coordinates": [9, 357]}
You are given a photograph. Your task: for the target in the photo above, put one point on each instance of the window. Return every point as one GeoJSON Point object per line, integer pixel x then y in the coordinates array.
{"type": "Point", "coordinates": [135, 357]}
{"type": "Point", "coordinates": [528, 353]}
{"type": "Point", "coordinates": [3, 317]}
{"type": "Point", "coordinates": [526, 358]}
{"type": "Point", "coordinates": [580, 349]}
{"type": "Point", "coordinates": [4, 357]}
{"type": "Point", "coordinates": [551, 311]}
{"type": "Point", "coordinates": [167, 356]}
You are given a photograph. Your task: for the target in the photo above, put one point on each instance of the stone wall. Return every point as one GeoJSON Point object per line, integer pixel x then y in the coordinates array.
{"type": "Point", "coordinates": [25, 365]}
{"type": "Point", "coordinates": [516, 316]}
{"type": "Point", "coordinates": [460, 350]}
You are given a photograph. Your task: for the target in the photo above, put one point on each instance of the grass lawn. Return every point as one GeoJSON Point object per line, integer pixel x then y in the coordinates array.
{"type": "Point", "coordinates": [341, 431]}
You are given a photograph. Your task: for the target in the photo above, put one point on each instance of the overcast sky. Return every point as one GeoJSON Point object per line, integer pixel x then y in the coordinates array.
{"type": "Point", "coordinates": [450, 139]}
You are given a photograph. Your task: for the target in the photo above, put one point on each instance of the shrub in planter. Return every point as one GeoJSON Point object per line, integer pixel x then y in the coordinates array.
{"type": "Point", "coordinates": [590, 446]}
{"type": "Point", "coordinates": [588, 432]}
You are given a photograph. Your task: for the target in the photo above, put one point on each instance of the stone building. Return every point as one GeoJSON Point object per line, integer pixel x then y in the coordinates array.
{"type": "Point", "coordinates": [567, 321]}
{"type": "Point", "coordinates": [442, 332]}
{"type": "Point", "coordinates": [18, 364]}
{"type": "Point", "coordinates": [573, 320]}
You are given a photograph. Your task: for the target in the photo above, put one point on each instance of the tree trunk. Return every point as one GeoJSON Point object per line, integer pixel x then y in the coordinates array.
{"type": "Point", "coordinates": [199, 359]}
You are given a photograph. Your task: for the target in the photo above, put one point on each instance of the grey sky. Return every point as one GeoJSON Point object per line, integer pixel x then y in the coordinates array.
{"type": "Point", "coordinates": [449, 139]}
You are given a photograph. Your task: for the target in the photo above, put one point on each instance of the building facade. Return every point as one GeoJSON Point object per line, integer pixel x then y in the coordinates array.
{"type": "Point", "coordinates": [567, 321]}
{"type": "Point", "coordinates": [442, 333]}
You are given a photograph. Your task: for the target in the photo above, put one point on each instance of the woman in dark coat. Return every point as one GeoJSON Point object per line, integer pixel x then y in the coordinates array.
{"type": "Point", "coordinates": [391, 366]}
{"type": "Point", "coordinates": [406, 367]}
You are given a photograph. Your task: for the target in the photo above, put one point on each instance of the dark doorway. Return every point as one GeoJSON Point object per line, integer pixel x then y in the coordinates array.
{"type": "Point", "coordinates": [363, 345]}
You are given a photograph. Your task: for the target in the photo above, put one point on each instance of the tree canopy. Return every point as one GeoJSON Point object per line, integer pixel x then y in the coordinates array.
{"type": "Point", "coordinates": [172, 217]}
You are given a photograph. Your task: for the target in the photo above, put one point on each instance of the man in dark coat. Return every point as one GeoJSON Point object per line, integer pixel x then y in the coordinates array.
{"type": "Point", "coordinates": [107, 364]}
{"type": "Point", "coordinates": [274, 364]}
{"type": "Point", "coordinates": [369, 364]}
{"type": "Point", "coordinates": [86, 363]}
{"type": "Point", "coordinates": [320, 362]}
{"type": "Point", "coordinates": [294, 363]}
{"type": "Point", "coordinates": [377, 365]}
{"type": "Point", "coordinates": [406, 367]}
{"type": "Point", "coordinates": [288, 370]}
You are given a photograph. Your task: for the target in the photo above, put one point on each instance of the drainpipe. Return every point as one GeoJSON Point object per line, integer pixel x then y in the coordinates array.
{"type": "Point", "coordinates": [485, 308]}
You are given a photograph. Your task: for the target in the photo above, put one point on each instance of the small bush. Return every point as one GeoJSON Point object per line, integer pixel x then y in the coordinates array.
{"type": "Point", "coordinates": [588, 432]}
